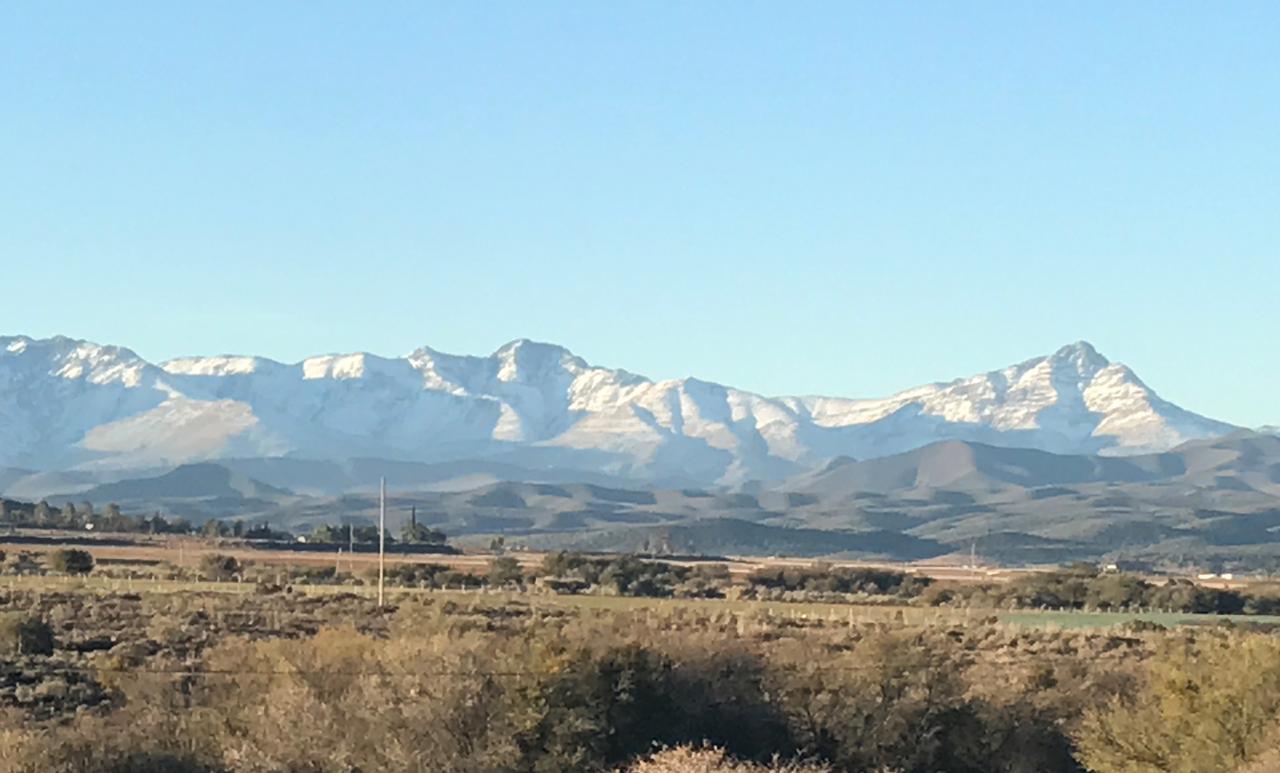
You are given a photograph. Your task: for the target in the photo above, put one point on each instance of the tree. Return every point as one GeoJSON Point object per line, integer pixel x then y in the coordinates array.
{"type": "Point", "coordinates": [69, 519]}
{"type": "Point", "coordinates": [366, 534]}
{"type": "Point", "coordinates": [71, 561]}
{"type": "Point", "coordinates": [329, 534]}
{"type": "Point", "coordinates": [42, 513]}
{"type": "Point", "coordinates": [219, 567]}
{"type": "Point", "coordinates": [505, 570]}
{"type": "Point", "coordinates": [417, 534]}
{"type": "Point", "coordinates": [213, 528]}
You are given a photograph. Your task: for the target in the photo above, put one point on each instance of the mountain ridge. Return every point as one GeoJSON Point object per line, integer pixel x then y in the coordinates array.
{"type": "Point", "coordinates": [72, 404]}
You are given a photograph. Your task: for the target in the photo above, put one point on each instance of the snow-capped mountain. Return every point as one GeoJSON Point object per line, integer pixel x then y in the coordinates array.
{"type": "Point", "coordinates": [68, 404]}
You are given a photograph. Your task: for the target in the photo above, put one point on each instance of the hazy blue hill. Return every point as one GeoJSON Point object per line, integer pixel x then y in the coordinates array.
{"type": "Point", "coordinates": [190, 481]}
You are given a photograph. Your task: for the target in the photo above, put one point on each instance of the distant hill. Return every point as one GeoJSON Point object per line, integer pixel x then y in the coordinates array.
{"type": "Point", "coordinates": [1216, 498]}
{"type": "Point", "coordinates": [190, 481]}
{"type": "Point", "coordinates": [1239, 460]}
{"type": "Point", "coordinates": [962, 466]}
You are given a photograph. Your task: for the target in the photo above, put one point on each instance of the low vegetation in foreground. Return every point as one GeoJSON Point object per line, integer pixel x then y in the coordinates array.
{"type": "Point", "coordinates": [105, 682]}
{"type": "Point", "coordinates": [530, 667]}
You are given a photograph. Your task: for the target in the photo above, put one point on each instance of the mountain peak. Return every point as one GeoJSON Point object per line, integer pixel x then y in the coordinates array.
{"type": "Point", "coordinates": [67, 403]}
{"type": "Point", "coordinates": [524, 346]}
{"type": "Point", "coordinates": [522, 359]}
{"type": "Point", "coordinates": [1081, 352]}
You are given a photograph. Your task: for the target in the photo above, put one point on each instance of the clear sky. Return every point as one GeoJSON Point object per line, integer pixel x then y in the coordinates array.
{"type": "Point", "coordinates": [843, 198]}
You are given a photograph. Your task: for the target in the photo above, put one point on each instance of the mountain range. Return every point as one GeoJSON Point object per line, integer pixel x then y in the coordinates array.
{"type": "Point", "coordinates": [1062, 457]}
{"type": "Point", "coordinates": [89, 412]}
{"type": "Point", "coordinates": [1214, 500]}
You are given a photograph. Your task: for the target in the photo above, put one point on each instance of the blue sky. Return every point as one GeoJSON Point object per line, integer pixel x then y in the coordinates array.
{"type": "Point", "coordinates": [835, 198]}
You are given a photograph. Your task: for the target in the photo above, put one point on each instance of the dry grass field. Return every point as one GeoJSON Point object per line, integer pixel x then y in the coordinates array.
{"type": "Point", "coordinates": [142, 665]}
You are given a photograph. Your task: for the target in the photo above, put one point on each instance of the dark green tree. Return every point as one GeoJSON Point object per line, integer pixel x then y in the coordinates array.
{"type": "Point", "coordinates": [214, 528]}
{"type": "Point", "coordinates": [505, 570]}
{"type": "Point", "coordinates": [71, 561]}
{"type": "Point", "coordinates": [417, 534]}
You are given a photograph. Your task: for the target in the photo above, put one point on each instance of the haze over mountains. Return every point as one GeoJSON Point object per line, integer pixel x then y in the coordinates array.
{"type": "Point", "coordinates": [74, 405]}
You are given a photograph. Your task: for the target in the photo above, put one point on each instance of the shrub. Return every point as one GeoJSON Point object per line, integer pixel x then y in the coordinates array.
{"type": "Point", "coordinates": [686, 759]}
{"type": "Point", "coordinates": [22, 635]}
{"type": "Point", "coordinates": [1204, 709]}
{"type": "Point", "coordinates": [827, 579]}
{"type": "Point", "coordinates": [216, 566]}
{"type": "Point", "coordinates": [71, 561]}
{"type": "Point", "coordinates": [505, 570]}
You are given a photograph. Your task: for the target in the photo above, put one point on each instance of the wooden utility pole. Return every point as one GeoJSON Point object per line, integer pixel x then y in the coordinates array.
{"type": "Point", "coordinates": [382, 536]}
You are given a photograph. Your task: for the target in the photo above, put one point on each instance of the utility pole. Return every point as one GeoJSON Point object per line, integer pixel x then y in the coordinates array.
{"type": "Point", "coordinates": [382, 536]}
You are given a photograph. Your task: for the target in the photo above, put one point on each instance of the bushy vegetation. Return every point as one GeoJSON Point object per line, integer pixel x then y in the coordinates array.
{"type": "Point", "coordinates": [843, 580]}
{"type": "Point", "coordinates": [629, 575]}
{"type": "Point", "coordinates": [687, 759]}
{"type": "Point", "coordinates": [1085, 587]}
{"type": "Point", "coordinates": [21, 634]}
{"type": "Point", "coordinates": [238, 682]}
{"type": "Point", "coordinates": [1206, 705]}
{"type": "Point", "coordinates": [445, 691]}
{"type": "Point", "coordinates": [83, 516]}
{"type": "Point", "coordinates": [71, 561]}
{"type": "Point", "coordinates": [215, 566]}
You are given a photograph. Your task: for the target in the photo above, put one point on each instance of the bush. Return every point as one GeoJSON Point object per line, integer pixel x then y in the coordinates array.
{"type": "Point", "coordinates": [22, 635]}
{"type": "Point", "coordinates": [71, 561]}
{"type": "Point", "coordinates": [503, 571]}
{"type": "Point", "coordinates": [216, 566]}
{"type": "Point", "coordinates": [686, 759]}
{"type": "Point", "coordinates": [1204, 709]}
{"type": "Point", "coordinates": [827, 579]}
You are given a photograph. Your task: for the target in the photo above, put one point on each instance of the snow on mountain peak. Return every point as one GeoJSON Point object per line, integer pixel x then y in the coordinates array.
{"type": "Point", "coordinates": [524, 360]}
{"type": "Point", "coordinates": [223, 365]}
{"type": "Point", "coordinates": [1082, 356]}
{"type": "Point", "coordinates": [75, 360]}
{"type": "Point", "coordinates": [538, 404]}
